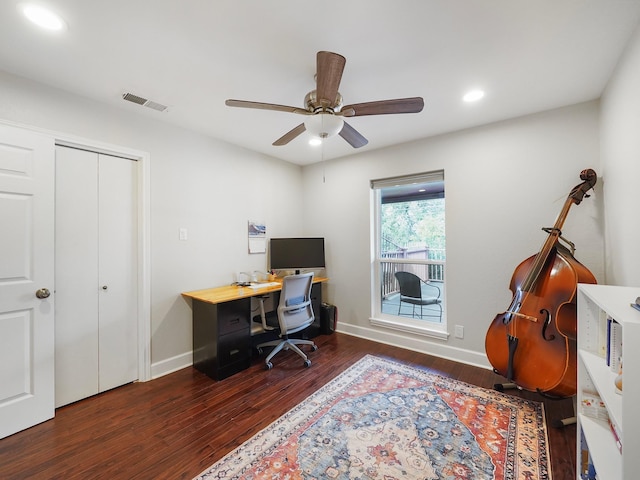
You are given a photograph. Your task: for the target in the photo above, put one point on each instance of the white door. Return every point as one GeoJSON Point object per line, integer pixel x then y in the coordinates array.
{"type": "Point", "coordinates": [26, 266]}
{"type": "Point", "coordinates": [96, 273]}
{"type": "Point", "coordinates": [77, 292]}
{"type": "Point", "coordinates": [118, 261]}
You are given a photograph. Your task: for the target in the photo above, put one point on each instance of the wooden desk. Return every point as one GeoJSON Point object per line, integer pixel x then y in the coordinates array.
{"type": "Point", "coordinates": [222, 326]}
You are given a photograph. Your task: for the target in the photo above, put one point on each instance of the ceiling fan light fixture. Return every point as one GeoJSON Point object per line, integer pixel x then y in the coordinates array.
{"type": "Point", "coordinates": [323, 125]}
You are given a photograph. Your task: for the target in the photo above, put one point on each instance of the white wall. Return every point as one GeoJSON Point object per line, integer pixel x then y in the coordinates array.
{"type": "Point", "coordinates": [620, 150]}
{"type": "Point", "coordinates": [209, 187]}
{"type": "Point", "coordinates": [503, 183]}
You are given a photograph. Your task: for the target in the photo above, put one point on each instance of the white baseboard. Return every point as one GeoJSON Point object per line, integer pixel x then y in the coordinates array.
{"type": "Point", "coordinates": [171, 365]}
{"type": "Point", "coordinates": [417, 345]}
{"type": "Point", "coordinates": [468, 357]}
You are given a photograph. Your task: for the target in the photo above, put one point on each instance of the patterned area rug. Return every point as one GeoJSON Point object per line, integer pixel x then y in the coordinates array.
{"type": "Point", "coordinates": [384, 420]}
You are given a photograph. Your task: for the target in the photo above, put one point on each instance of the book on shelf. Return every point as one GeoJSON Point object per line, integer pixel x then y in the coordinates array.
{"type": "Point", "coordinates": [592, 405]}
{"type": "Point", "coordinates": [587, 470]}
{"type": "Point", "coordinates": [602, 335]}
{"type": "Point", "coordinates": [608, 353]}
{"type": "Point", "coordinates": [614, 355]}
{"type": "Point", "coordinates": [616, 434]}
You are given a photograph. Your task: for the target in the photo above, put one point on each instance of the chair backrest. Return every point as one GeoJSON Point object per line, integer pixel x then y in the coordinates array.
{"type": "Point", "coordinates": [295, 311]}
{"type": "Point", "coordinates": [409, 284]}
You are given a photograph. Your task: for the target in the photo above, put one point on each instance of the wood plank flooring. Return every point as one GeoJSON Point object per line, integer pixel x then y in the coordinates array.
{"type": "Point", "coordinates": [176, 426]}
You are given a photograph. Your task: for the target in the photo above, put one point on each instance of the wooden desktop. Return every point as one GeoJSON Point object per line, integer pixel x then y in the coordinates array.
{"type": "Point", "coordinates": [222, 325]}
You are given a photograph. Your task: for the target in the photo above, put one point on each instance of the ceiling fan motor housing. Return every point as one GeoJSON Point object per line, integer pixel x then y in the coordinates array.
{"type": "Point", "coordinates": [311, 101]}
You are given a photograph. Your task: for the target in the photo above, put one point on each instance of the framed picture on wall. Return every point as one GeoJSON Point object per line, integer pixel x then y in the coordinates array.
{"type": "Point", "coordinates": [257, 237]}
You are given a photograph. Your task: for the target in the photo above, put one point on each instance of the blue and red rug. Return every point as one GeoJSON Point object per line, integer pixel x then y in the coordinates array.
{"type": "Point", "coordinates": [384, 420]}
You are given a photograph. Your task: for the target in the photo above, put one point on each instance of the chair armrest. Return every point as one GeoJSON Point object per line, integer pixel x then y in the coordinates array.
{"type": "Point", "coordinates": [428, 284]}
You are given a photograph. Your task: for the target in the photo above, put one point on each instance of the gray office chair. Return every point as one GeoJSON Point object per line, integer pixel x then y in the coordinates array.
{"type": "Point", "coordinates": [411, 292]}
{"type": "Point", "coordinates": [294, 314]}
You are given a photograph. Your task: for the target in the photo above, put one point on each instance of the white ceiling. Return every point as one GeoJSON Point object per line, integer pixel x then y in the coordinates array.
{"type": "Point", "coordinates": [191, 55]}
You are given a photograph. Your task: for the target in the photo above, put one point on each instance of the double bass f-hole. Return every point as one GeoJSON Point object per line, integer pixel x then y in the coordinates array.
{"type": "Point", "coordinates": [547, 321]}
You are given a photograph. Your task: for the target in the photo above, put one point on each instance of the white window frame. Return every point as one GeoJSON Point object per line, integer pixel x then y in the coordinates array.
{"type": "Point", "coordinates": [378, 318]}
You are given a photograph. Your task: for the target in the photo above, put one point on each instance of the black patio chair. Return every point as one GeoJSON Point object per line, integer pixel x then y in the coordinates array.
{"type": "Point", "coordinates": [411, 293]}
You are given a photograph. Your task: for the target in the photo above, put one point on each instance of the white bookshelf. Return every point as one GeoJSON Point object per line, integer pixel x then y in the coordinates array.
{"type": "Point", "coordinates": [595, 304]}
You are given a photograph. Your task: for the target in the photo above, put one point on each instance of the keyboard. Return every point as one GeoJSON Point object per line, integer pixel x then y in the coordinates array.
{"type": "Point", "coordinates": [264, 285]}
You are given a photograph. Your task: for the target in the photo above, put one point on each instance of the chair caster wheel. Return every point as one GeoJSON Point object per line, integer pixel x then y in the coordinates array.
{"type": "Point", "coordinates": [307, 363]}
{"type": "Point", "coordinates": [268, 365]}
{"type": "Point", "coordinates": [314, 347]}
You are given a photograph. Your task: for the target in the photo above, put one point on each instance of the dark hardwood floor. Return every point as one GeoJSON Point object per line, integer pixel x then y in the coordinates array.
{"type": "Point", "coordinates": [178, 425]}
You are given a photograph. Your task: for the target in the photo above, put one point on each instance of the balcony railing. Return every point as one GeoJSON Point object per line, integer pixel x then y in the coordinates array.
{"type": "Point", "coordinates": [430, 267]}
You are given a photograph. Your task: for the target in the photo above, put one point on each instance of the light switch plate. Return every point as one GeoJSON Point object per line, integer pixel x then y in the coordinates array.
{"type": "Point", "coordinates": [459, 333]}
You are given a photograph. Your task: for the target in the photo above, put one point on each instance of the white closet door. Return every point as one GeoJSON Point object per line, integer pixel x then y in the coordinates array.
{"type": "Point", "coordinates": [76, 275]}
{"type": "Point", "coordinates": [118, 339]}
{"type": "Point", "coordinates": [96, 273]}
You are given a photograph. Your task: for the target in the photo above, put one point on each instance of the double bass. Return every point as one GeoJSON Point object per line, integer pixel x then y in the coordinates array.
{"type": "Point", "coordinates": [533, 343]}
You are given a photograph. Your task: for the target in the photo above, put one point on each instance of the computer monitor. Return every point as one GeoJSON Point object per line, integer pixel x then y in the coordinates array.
{"type": "Point", "coordinates": [296, 253]}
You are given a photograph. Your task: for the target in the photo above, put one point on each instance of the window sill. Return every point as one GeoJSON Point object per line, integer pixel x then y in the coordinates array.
{"type": "Point", "coordinates": [422, 330]}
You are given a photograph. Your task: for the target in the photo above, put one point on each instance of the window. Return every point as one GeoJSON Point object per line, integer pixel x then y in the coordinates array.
{"type": "Point", "coordinates": [409, 236]}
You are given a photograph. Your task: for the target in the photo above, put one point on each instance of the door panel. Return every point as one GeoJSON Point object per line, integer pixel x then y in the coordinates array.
{"type": "Point", "coordinates": [26, 265]}
{"type": "Point", "coordinates": [118, 259]}
{"type": "Point", "coordinates": [76, 275]}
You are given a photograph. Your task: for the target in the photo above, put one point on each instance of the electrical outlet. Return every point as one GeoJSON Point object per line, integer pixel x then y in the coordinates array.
{"type": "Point", "coordinates": [459, 333]}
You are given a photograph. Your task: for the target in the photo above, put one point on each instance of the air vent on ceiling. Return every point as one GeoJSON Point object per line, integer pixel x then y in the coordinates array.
{"type": "Point", "coordinates": [130, 97]}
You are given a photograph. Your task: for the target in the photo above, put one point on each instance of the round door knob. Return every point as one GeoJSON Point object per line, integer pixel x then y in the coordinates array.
{"type": "Point", "coordinates": [43, 293]}
{"type": "Point", "coordinates": [104, 287]}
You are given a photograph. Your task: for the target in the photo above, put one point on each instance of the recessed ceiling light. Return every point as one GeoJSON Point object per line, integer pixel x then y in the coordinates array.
{"type": "Point", "coordinates": [473, 96]}
{"type": "Point", "coordinates": [42, 17]}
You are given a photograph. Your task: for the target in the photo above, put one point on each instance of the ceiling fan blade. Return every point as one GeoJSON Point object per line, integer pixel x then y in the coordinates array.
{"type": "Point", "coordinates": [383, 107]}
{"type": "Point", "coordinates": [266, 106]}
{"type": "Point", "coordinates": [329, 68]}
{"type": "Point", "coordinates": [290, 135]}
{"type": "Point", "coordinates": [351, 135]}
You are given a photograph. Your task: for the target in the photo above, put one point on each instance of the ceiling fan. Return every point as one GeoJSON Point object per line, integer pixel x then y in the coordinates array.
{"type": "Point", "coordinates": [324, 108]}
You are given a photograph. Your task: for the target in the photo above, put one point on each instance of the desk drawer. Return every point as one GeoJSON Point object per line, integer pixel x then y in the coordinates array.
{"type": "Point", "coordinates": [234, 316]}
{"type": "Point", "coordinates": [233, 348]}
